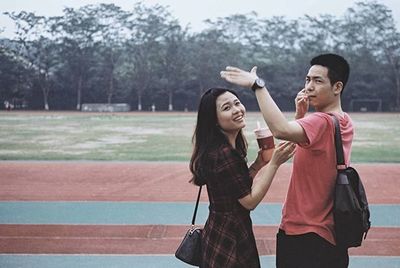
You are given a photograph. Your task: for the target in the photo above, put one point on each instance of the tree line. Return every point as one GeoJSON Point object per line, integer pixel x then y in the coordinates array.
{"type": "Point", "coordinates": [143, 57]}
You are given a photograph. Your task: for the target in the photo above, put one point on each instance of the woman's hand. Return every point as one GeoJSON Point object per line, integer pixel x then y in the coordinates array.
{"type": "Point", "coordinates": [261, 159]}
{"type": "Point", "coordinates": [240, 77]}
{"type": "Point", "coordinates": [263, 178]}
{"type": "Point", "coordinates": [302, 104]}
{"type": "Point", "coordinates": [282, 153]}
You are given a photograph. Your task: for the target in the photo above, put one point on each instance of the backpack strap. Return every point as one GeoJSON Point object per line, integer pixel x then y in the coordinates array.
{"type": "Point", "coordinates": [338, 144]}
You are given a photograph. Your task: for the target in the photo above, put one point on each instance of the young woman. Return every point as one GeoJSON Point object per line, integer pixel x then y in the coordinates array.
{"type": "Point", "coordinates": [219, 161]}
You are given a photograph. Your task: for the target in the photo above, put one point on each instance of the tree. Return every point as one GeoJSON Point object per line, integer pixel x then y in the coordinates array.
{"type": "Point", "coordinates": [101, 53]}
{"type": "Point", "coordinates": [79, 32]}
{"type": "Point", "coordinates": [173, 63]}
{"type": "Point", "coordinates": [13, 76]}
{"type": "Point", "coordinates": [113, 26]}
{"type": "Point", "coordinates": [147, 29]}
{"type": "Point", "coordinates": [282, 62]}
{"type": "Point", "coordinates": [242, 29]}
{"type": "Point", "coordinates": [369, 26]}
{"type": "Point", "coordinates": [320, 34]}
{"type": "Point", "coordinates": [37, 51]}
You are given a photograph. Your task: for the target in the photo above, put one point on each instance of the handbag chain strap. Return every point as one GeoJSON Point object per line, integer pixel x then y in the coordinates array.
{"type": "Point", "coordinates": [338, 144]}
{"type": "Point", "coordinates": [195, 208]}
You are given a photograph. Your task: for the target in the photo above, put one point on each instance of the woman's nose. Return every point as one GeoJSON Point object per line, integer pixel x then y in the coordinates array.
{"type": "Point", "coordinates": [236, 109]}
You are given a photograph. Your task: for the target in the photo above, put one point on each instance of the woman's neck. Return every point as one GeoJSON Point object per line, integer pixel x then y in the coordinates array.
{"type": "Point", "coordinates": [231, 138]}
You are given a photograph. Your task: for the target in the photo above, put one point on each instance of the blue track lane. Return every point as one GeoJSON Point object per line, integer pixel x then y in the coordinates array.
{"type": "Point", "coordinates": [151, 261]}
{"type": "Point", "coordinates": [168, 213]}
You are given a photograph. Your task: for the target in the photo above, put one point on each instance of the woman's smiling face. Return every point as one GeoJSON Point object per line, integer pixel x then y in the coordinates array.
{"type": "Point", "coordinates": [230, 113]}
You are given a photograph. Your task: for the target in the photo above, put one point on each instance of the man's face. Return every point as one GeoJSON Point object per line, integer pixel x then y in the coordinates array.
{"type": "Point", "coordinates": [320, 92]}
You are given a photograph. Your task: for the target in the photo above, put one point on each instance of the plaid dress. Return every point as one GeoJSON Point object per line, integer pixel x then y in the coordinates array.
{"type": "Point", "coordinates": [228, 239]}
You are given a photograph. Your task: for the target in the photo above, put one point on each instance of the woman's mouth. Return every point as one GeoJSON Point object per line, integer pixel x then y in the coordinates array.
{"type": "Point", "coordinates": [239, 118]}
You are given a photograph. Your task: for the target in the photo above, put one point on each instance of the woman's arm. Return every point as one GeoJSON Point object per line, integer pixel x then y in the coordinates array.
{"type": "Point", "coordinates": [265, 175]}
{"type": "Point", "coordinates": [258, 164]}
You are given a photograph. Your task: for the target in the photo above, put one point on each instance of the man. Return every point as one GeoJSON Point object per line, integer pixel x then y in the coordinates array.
{"type": "Point", "coordinates": [306, 235]}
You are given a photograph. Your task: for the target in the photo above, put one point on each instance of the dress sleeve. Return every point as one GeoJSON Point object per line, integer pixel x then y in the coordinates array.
{"type": "Point", "coordinates": [314, 125]}
{"type": "Point", "coordinates": [233, 170]}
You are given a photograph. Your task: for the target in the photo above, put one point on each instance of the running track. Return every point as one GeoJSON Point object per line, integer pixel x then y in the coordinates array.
{"type": "Point", "coordinates": [134, 214]}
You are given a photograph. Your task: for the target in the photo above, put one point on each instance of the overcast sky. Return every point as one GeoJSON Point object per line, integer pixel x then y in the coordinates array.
{"type": "Point", "coordinates": [194, 12]}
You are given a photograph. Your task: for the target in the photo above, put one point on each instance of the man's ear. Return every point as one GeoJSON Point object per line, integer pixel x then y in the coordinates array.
{"type": "Point", "coordinates": [337, 88]}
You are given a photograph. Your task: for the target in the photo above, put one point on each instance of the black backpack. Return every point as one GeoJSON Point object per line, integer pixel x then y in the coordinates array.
{"type": "Point", "coordinates": [351, 213]}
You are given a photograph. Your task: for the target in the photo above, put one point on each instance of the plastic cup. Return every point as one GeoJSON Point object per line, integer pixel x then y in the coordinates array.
{"type": "Point", "coordinates": [265, 141]}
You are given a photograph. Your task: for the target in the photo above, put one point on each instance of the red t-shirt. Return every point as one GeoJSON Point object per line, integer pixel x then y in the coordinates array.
{"type": "Point", "coordinates": [309, 201]}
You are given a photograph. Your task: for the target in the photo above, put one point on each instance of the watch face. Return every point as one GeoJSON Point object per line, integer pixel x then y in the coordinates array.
{"type": "Point", "coordinates": [260, 82]}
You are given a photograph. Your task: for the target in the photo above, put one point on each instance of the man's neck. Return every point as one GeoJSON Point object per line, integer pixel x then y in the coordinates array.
{"type": "Point", "coordinates": [333, 108]}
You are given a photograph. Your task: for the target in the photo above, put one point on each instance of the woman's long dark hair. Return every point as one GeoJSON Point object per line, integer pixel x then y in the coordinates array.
{"type": "Point", "coordinates": [208, 133]}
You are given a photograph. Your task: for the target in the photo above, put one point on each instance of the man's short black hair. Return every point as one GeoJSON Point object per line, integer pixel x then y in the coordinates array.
{"type": "Point", "coordinates": [338, 67]}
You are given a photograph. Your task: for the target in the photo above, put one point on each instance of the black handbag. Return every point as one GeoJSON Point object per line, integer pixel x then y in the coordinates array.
{"type": "Point", "coordinates": [351, 213]}
{"type": "Point", "coordinates": [189, 251]}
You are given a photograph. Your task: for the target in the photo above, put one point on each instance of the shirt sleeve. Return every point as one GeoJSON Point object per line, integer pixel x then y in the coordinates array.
{"type": "Point", "coordinates": [314, 125]}
{"type": "Point", "coordinates": [232, 168]}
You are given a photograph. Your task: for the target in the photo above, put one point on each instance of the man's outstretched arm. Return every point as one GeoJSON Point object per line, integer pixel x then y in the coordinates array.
{"type": "Point", "coordinates": [280, 127]}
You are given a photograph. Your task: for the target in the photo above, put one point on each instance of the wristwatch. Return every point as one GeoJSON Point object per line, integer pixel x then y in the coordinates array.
{"type": "Point", "coordinates": [259, 83]}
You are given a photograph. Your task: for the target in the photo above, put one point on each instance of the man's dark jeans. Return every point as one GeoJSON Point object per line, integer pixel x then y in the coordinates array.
{"type": "Point", "coordinates": [308, 251]}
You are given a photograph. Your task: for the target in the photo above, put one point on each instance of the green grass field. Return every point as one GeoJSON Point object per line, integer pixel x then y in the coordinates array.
{"type": "Point", "coordinates": [155, 136]}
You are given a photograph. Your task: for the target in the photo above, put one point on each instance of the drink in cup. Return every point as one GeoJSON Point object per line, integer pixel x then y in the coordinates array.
{"type": "Point", "coordinates": [265, 141]}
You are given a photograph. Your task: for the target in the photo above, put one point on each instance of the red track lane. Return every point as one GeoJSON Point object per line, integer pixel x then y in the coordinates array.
{"type": "Point", "coordinates": [150, 181]}
{"type": "Point", "coordinates": [149, 239]}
